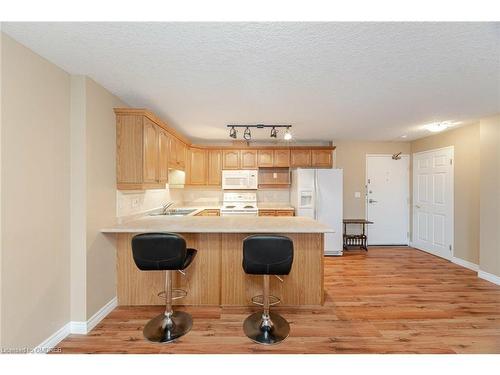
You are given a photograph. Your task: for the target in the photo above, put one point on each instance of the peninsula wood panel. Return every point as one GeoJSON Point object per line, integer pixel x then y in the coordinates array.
{"type": "Point", "coordinates": [216, 276]}
{"type": "Point", "coordinates": [202, 279]}
{"type": "Point", "coordinates": [303, 286]}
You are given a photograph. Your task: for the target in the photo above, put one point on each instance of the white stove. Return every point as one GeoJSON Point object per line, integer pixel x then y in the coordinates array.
{"type": "Point", "coordinates": [242, 204]}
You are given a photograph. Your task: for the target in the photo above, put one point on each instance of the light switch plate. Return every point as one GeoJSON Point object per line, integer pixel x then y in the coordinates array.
{"type": "Point", "coordinates": [357, 194]}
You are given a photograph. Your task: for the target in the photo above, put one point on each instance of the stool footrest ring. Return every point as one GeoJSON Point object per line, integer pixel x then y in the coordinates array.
{"type": "Point", "coordinates": [259, 300]}
{"type": "Point", "coordinates": [177, 293]}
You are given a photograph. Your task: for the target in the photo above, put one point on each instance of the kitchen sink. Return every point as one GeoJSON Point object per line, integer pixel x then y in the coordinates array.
{"type": "Point", "coordinates": [175, 212]}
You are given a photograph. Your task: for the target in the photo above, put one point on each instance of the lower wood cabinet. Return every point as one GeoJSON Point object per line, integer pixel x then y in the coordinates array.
{"type": "Point", "coordinates": [209, 212]}
{"type": "Point", "coordinates": [284, 212]}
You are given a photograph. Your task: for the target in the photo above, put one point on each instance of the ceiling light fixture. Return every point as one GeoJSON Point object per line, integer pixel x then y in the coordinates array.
{"type": "Point", "coordinates": [247, 135]}
{"type": "Point", "coordinates": [288, 135]}
{"type": "Point", "coordinates": [438, 126]}
{"type": "Point", "coordinates": [232, 132]}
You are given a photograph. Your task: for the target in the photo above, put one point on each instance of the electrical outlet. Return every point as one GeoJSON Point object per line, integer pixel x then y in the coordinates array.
{"type": "Point", "coordinates": [134, 203]}
{"type": "Point", "coordinates": [275, 175]}
{"type": "Point", "coordinates": [357, 194]}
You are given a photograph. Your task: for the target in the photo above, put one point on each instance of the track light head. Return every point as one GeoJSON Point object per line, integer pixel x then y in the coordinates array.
{"type": "Point", "coordinates": [274, 132]}
{"type": "Point", "coordinates": [288, 135]}
{"type": "Point", "coordinates": [247, 135]}
{"type": "Point", "coordinates": [232, 133]}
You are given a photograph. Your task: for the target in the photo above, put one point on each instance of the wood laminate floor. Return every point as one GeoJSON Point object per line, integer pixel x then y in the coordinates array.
{"type": "Point", "coordinates": [389, 300]}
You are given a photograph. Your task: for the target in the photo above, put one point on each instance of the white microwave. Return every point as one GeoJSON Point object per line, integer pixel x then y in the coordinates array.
{"type": "Point", "coordinates": [240, 179]}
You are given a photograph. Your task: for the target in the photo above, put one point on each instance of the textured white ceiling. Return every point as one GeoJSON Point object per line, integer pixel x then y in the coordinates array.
{"type": "Point", "coordinates": [366, 81]}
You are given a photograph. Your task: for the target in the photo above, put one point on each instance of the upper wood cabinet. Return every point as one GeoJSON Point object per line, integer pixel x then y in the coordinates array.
{"type": "Point", "coordinates": [163, 155]}
{"type": "Point", "coordinates": [281, 158]}
{"type": "Point", "coordinates": [214, 167]}
{"type": "Point", "coordinates": [300, 158]}
{"type": "Point", "coordinates": [321, 158]}
{"type": "Point", "coordinates": [231, 159]}
{"type": "Point", "coordinates": [196, 171]}
{"type": "Point", "coordinates": [266, 158]}
{"type": "Point", "coordinates": [137, 153]}
{"type": "Point", "coordinates": [248, 159]}
{"type": "Point", "coordinates": [180, 150]}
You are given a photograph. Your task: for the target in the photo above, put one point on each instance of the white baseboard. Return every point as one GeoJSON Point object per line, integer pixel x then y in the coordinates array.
{"type": "Point", "coordinates": [82, 328]}
{"type": "Point", "coordinates": [489, 277]}
{"type": "Point", "coordinates": [54, 339]}
{"type": "Point", "coordinates": [75, 327]}
{"type": "Point", "coordinates": [465, 263]}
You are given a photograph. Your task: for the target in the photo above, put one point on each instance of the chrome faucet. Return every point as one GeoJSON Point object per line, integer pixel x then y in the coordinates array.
{"type": "Point", "coordinates": [166, 206]}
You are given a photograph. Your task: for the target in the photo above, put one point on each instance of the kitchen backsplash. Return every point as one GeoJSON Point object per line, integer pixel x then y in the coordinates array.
{"type": "Point", "coordinates": [135, 202]}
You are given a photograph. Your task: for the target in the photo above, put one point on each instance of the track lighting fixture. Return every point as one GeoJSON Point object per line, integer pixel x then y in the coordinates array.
{"type": "Point", "coordinates": [232, 132]}
{"type": "Point", "coordinates": [274, 132]}
{"type": "Point", "coordinates": [247, 135]}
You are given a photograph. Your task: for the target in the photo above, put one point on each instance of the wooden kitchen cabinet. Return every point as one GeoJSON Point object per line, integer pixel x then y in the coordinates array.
{"type": "Point", "coordinates": [274, 178]}
{"type": "Point", "coordinates": [300, 158]}
{"type": "Point", "coordinates": [163, 155]}
{"type": "Point", "coordinates": [196, 171]}
{"type": "Point", "coordinates": [214, 167]}
{"type": "Point", "coordinates": [209, 212]}
{"type": "Point", "coordinates": [283, 212]}
{"type": "Point", "coordinates": [231, 159]}
{"type": "Point", "coordinates": [321, 158]}
{"type": "Point", "coordinates": [181, 151]}
{"type": "Point", "coordinates": [265, 158]}
{"type": "Point", "coordinates": [248, 159]}
{"type": "Point", "coordinates": [281, 158]}
{"type": "Point", "coordinates": [137, 154]}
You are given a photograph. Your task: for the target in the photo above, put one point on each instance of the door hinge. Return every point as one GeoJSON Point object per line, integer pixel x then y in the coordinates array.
{"type": "Point", "coordinates": [451, 161]}
{"type": "Point", "coordinates": [449, 247]}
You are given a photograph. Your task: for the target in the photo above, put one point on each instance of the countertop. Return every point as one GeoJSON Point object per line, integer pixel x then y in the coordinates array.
{"type": "Point", "coordinates": [220, 224]}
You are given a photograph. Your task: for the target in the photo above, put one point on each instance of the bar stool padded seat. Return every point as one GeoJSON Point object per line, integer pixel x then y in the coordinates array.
{"type": "Point", "coordinates": [267, 255]}
{"type": "Point", "coordinates": [161, 252]}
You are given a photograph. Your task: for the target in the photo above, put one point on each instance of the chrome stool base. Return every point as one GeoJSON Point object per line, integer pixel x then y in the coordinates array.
{"type": "Point", "coordinates": [254, 330]}
{"type": "Point", "coordinates": [157, 331]}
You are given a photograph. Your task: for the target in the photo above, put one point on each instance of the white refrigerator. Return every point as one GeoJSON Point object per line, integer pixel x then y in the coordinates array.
{"type": "Point", "coordinates": [317, 193]}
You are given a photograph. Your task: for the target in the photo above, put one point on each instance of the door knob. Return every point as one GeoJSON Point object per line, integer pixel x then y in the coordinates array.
{"type": "Point", "coordinates": [372, 201]}
{"type": "Point", "coordinates": [417, 206]}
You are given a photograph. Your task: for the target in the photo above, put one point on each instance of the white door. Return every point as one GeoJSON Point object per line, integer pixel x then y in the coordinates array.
{"type": "Point", "coordinates": [433, 201]}
{"type": "Point", "coordinates": [387, 199]}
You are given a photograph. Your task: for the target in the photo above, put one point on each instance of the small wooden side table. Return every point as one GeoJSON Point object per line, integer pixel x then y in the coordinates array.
{"type": "Point", "coordinates": [355, 239]}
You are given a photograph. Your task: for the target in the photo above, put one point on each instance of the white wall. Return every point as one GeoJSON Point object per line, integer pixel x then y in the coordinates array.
{"type": "Point", "coordinates": [35, 196]}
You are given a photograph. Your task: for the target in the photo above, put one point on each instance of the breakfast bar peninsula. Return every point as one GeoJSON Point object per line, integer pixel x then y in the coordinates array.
{"type": "Point", "coordinates": [216, 276]}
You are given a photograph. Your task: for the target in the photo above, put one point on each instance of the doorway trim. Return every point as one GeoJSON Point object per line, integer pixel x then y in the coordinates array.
{"type": "Point", "coordinates": [409, 212]}
{"type": "Point", "coordinates": [452, 218]}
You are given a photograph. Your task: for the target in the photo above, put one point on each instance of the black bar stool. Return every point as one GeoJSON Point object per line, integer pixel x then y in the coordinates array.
{"type": "Point", "coordinates": [267, 255]}
{"type": "Point", "coordinates": [164, 252]}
